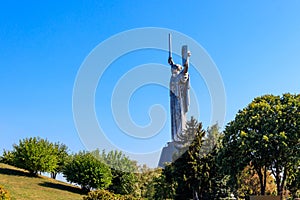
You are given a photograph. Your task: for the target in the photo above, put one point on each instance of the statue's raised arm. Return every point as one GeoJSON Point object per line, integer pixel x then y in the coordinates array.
{"type": "Point", "coordinates": [170, 61]}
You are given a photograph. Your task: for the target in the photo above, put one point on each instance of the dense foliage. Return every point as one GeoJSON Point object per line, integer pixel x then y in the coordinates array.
{"type": "Point", "coordinates": [195, 174]}
{"type": "Point", "coordinates": [266, 135]}
{"type": "Point", "coordinates": [33, 154]}
{"type": "Point", "coordinates": [146, 177]}
{"type": "Point", "coordinates": [61, 151]}
{"type": "Point", "coordinates": [106, 195]}
{"type": "Point", "coordinates": [258, 153]}
{"type": "Point", "coordinates": [87, 171]}
{"type": "Point", "coordinates": [123, 171]}
{"type": "Point", "coordinates": [293, 183]}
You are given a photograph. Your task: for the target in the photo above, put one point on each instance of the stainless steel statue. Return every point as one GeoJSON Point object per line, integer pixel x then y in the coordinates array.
{"type": "Point", "coordinates": [179, 92]}
{"type": "Point", "coordinates": [179, 103]}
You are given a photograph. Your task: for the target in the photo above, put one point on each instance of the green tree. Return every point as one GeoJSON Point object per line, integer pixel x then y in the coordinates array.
{"type": "Point", "coordinates": [117, 160]}
{"type": "Point", "coordinates": [212, 139]}
{"type": "Point", "coordinates": [87, 171]}
{"type": "Point", "coordinates": [186, 137]}
{"type": "Point", "coordinates": [293, 184]}
{"type": "Point", "coordinates": [61, 151]}
{"type": "Point", "coordinates": [188, 169]}
{"type": "Point", "coordinates": [7, 157]}
{"type": "Point", "coordinates": [165, 184]}
{"type": "Point", "coordinates": [123, 182]}
{"type": "Point", "coordinates": [197, 172]}
{"type": "Point", "coordinates": [123, 171]}
{"type": "Point", "coordinates": [205, 178]}
{"type": "Point", "coordinates": [34, 154]}
{"type": "Point", "coordinates": [146, 181]}
{"type": "Point", "coordinates": [265, 134]}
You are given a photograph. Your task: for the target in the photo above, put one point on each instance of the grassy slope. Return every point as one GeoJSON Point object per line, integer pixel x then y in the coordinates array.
{"type": "Point", "coordinates": [22, 187]}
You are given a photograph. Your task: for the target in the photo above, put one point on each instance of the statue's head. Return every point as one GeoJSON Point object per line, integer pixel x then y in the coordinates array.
{"type": "Point", "coordinates": [175, 69]}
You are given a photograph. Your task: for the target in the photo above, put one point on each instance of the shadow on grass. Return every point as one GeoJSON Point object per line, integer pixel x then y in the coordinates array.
{"type": "Point", "coordinates": [62, 187]}
{"type": "Point", "coordinates": [13, 172]}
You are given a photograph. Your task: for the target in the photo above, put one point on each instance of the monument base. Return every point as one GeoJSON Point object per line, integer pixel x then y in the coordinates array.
{"type": "Point", "coordinates": [166, 155]}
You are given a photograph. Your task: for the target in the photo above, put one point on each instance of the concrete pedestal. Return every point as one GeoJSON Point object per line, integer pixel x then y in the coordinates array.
{"type": "Point", "coordinates": [167, 154]}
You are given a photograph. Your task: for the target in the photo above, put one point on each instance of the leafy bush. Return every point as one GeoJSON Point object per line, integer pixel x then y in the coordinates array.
{"type": "Point", "coordinates": [123, 182]}
{"type": "Point", "coordinates": [106, 195]}
{"type": "Point", "coordinates": [87, 171]}
{"type": "Point", "coordinates": [4, 194]}
{"type": "Point", "coordinates": [7, 157]}
{"type": "Point", "coordinates": [99, 194]}
{"type": "Point", "coordinates": [123, 171]}
{"type": "Point", "coordinates": [33, 154]}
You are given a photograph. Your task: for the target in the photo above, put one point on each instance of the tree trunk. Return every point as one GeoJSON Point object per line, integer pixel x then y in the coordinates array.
{"type": "Point", "coordinates": [261, 181]}
{"type": "Point", "coordinates": [33, 173]}
{"type": "Point", "coordinates": [276, 174]}
{"type": "Point", "coordinates": [265, 180]}
{"type": "Point", "coordinates": [53, 175]}
{"type": "Point", "coordinates": [282, 184]}
{"type": "Point", "coordinates": [277, 179]}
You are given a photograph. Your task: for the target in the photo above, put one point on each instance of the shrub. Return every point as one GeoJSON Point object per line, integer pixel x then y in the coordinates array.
{"type": "Point", "coordinates": [7, 157]}
{"type": "Point", "coordinates": [124, 180]}
{"type": "Point", "coordinates": [106, 195]}
{"type": "Point", "coordinates": [34, 154]}
{"type": "Point", "coordinates": [4, 194]}
{"type": "Point", "coordinates": [99, 194]}
{"type": "Point", "coordinates": [87, 171]}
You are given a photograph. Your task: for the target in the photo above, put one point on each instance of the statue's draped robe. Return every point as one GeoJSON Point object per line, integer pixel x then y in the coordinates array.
{"type": "Point", "coordinates": [179, 102]}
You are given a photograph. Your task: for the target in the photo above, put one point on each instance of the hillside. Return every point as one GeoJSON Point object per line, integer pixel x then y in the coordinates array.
{"type": "Point", "coordinates": [22, 187]}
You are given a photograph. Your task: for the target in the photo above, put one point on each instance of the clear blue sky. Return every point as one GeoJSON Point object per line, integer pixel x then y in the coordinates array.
{"type": "Point", "coordinates": [255, 45]}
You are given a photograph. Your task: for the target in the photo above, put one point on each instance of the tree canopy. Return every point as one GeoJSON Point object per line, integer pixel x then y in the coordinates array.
{"type": "Point", "coordinates": [33, 154]}
{"type": "Point", "coordinates": [266, 135]}
{"type": "Point", "coordinates": [87, 171]}
{"type": "Point", "coordinates": [195, 174]}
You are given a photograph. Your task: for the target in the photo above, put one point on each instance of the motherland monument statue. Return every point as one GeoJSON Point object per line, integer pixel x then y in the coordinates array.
{"type": "Point", "coordinates": [179, 92]}
{"type": "Point", "coordinates": [179, 101]}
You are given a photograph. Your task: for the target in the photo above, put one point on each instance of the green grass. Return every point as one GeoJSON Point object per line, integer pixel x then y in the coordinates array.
{"type": "Point", "coordinates": [23, 187]}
